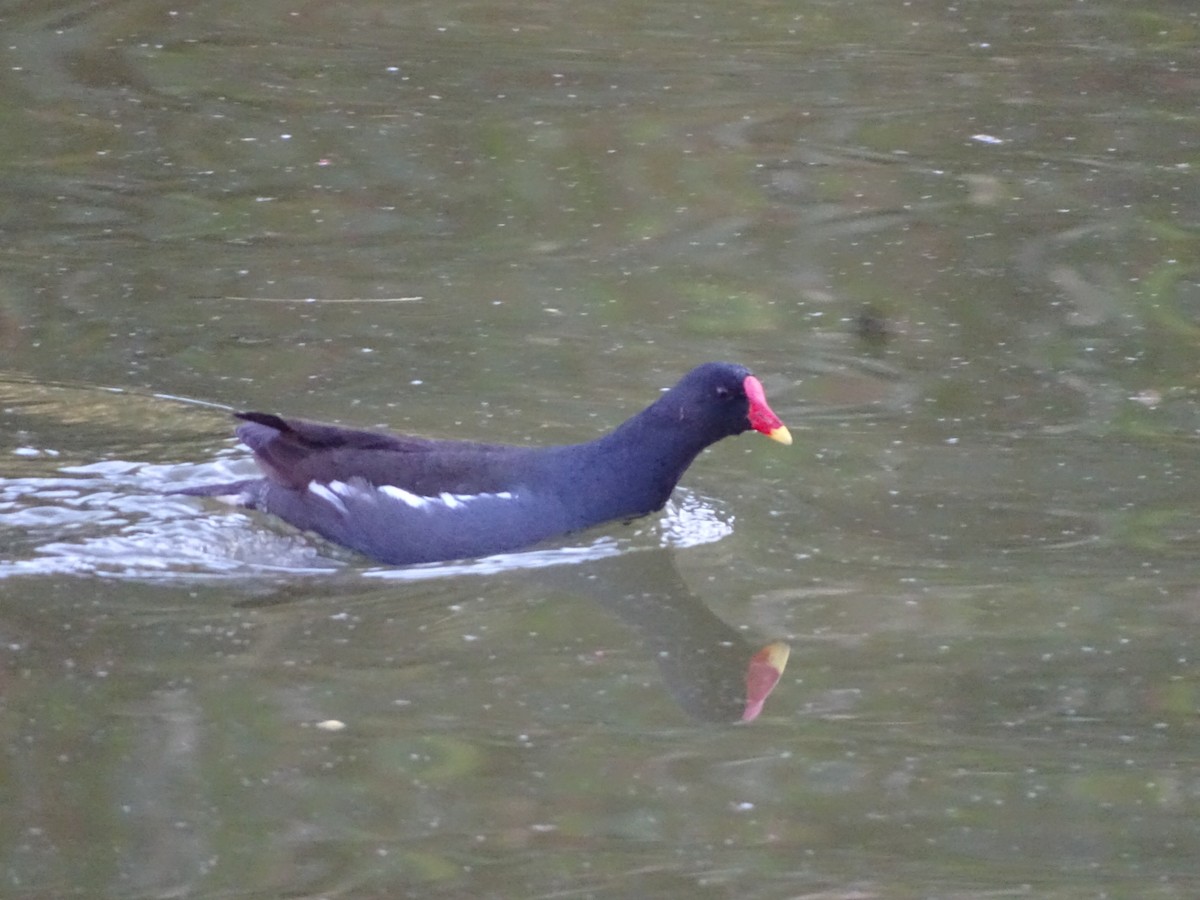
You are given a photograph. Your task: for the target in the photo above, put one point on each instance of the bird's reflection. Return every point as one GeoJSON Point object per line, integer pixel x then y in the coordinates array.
{"type": "Point", "coordinates": [710, 669]}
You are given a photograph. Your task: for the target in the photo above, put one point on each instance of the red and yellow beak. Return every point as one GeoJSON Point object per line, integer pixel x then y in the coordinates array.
{"type": "Point", "coordinates": [761, 416]}
{"type": "Point", "coordinates": [765, 669]}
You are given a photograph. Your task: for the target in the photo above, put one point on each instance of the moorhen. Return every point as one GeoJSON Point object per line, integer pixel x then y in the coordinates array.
{"type": "Point", "coordinates": [403, 500]}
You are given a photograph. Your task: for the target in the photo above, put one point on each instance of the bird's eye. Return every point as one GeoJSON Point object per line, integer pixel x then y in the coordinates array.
{"type": "Point", "coordinates": [723, 392]}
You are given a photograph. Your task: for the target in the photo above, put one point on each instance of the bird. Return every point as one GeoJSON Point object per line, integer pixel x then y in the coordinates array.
{"type": "Point", "coordinates": [403, 500]}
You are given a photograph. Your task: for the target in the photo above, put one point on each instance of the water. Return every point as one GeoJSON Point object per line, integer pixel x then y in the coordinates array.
{"type": "Point", "coordinates": [957, 244]}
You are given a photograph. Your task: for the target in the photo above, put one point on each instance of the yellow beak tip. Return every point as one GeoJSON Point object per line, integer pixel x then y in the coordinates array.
{"type": "Point", "coordinates": [781, 434]}
{"type": "Point", "coordinates": [776, 654]}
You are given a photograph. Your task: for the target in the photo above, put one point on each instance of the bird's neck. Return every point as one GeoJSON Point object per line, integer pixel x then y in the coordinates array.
{"type": "Point", "coordinates": [645, 456]}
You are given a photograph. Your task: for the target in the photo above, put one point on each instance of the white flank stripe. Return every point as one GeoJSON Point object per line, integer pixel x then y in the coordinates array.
{"type": "Point", "coordinates": [406, 497]}
{"type": "Point", "coordinates": [336, 493]}
{"type": "Point", "coordinates": [329, 495]}
{"type": "Point", "coordinates": [445, 498]}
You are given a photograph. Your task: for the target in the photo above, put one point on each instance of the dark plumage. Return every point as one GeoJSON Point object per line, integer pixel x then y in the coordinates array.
{"type": "Point", "coordinates": [404, 500]}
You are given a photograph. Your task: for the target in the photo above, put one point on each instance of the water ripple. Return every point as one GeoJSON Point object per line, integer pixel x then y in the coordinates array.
{"type": "Point", "coordinates": [111, 519]}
